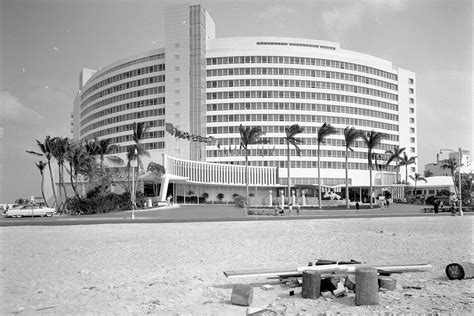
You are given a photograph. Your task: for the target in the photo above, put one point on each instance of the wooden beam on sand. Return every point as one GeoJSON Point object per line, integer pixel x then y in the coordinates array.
{"type": "Point", "coordinates": [332, 268]}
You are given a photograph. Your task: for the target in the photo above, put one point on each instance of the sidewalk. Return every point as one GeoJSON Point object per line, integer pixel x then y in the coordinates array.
{"type": "Point", "coordinates": [230, 212]}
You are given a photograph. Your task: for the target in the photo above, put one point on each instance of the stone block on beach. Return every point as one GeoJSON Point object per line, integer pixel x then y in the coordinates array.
{"type": "Point", "coordinates": [242, 295]}
{"type": "Point", "coordinates": [367, 291]}
{"type": "Point", "coordinates": [387, 283]}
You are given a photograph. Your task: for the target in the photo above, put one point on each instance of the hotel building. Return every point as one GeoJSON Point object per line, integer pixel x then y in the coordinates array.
{"type": "Point", "coordinates": [208, 86]}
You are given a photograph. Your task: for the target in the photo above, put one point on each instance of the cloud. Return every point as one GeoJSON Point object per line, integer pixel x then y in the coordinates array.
{"type": "Point", "coordinates": [276, 12]}
{"type": "Point", "coordinates": [341, 19]}
{"type": "Point", "coordinates": [12, 110]}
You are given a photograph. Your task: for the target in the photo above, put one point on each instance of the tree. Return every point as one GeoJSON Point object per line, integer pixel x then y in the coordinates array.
{"type": "Point", "coordinates": [45, 149]}
{"type": "Point", "coordinates": [137, 151]}
{"type": "Point", "coordinates": [417, 177]}
{"type": "Point", "coordinates": [80, 163]}
{"type": "Point", "coordinates": [372, 140]}
{"type": "Point", "coordinates": [395, 155]}
{"type": "Point", "coordinates": [59, 148]}
{"type": "Point", "coordinates": [41, 165]}
{"type": "Point", "coordinates": [452, 165]}
{"type": "Point", "coordinates": [406, 161]}
{"type": "Point", "coordinates": [290, 139]}
{"type": "Point", "coordinates": [428, 173]}
{"type": "Point", "coordinates": [158, 171]}
{"type": "Point", "coordinates": [351, 134]}
{"type": "Point", "coordinates": [324, 131]}
{"type": "Point", "coordinates": [249, 136]}
{"type": "Point", "coordinates": [105, 147]}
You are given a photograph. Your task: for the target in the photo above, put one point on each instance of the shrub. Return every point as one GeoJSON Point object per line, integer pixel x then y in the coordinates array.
{"type": "Point", "coordinates": [220, 197]}
{"type": "Point", "coordinates": [95, 203]}
{"type": "Point", "coordinates": [239, 201]}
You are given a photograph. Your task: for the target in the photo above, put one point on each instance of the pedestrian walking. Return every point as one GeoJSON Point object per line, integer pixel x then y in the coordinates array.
{"type": "Point", "coordinates": [436, 207]}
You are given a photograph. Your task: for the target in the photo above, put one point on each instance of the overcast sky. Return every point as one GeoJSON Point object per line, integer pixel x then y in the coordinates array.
{"type": "Point", "coordinates": [45, 43]}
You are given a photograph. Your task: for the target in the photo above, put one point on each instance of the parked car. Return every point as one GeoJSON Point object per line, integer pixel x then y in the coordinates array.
{"type": "Point", "coordinates": [30, 210]}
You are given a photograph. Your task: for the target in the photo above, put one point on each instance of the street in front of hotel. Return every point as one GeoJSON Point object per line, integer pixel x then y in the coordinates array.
{"type": "Point", "coordinates": [216, 213]}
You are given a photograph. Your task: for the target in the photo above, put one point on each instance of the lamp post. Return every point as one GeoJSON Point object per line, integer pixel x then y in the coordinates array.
{"type": "Point", "coordinates": [459, 166]}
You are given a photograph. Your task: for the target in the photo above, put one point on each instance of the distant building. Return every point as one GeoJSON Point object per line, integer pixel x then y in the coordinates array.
{"type": "Point", "coordinates": [435, 169]}
{"type": "Point", "coordinates": [205, 87]}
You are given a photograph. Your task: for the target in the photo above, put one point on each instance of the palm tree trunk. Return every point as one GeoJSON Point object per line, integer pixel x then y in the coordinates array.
{"type": "Point", "coordinates": [136, 179]}
{"type": "Point", "coordinates": [42, 189]}
{"type": "Point", "coordinates": [398, 171]}
{"type": "Point", "coordinates": [52, 184]}
{"type": "Point", "coordinates": [415, 191]}
{"type": "Point", "coordinates": [60, 189]}
{"type": "Point", "coordinates": [347, 182]}
{"type": "Point", "coordinates": [71, 178]}
{"type": "Point", "coordinates": [62, 181]}
{"type": "Point", "coordinates": [128, 177]}
{"type": "Point", "coordinates": [246, 182]}
{"type": "Point", "coordinates": [319, 179]}
{"type": "Point", "coordinates": [370, 193]}
{"type": "Point", "coordinates": [289, 177]}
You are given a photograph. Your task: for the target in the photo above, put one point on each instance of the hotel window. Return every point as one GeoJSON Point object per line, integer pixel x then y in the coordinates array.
{"type": "Point", "coordinates": [176, 68]}
{"type": "Point", "coordinates": [412, 101]}
{"type": "Point", "coordinates": [412, 110]}
{"type": "Point", "coordinates": [412, 129]}
{"type": "Point", "coordinates": [411, 81]}
{"type": "Point", "coordinates": [412, 149]}
{"type": "Point", "coordinates": [413, 169]}
{"type": "Point", "coordinates": [412, 139]}
{"type": "Point", "coordinates": [411, 90]}
{"type": "Point", "coordinates": [177, 103]}
{"type": "Point", "coordinates": [176, 79]}
{"type": "Point", "coordinates": [176, 45]}
{"type": "Point", "coordinates": [176, 56]}
{"type": "Point", "coordinates": [412, 120]}
{"type": "Point", "coordinates": [177, 115]}
{"type": "Point", "coordinates": [177, 92]}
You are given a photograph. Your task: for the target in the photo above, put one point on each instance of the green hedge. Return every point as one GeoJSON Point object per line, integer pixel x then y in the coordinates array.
{"type": "Point", "coordinates": [98, 204]}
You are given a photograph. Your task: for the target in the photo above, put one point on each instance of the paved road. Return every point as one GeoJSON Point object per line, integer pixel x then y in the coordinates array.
{"type": "Point", "coordinates": [211, 213]}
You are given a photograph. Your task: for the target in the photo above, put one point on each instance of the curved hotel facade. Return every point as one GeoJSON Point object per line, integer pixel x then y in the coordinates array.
{"type": "Point", "coordinates": [208, 86]}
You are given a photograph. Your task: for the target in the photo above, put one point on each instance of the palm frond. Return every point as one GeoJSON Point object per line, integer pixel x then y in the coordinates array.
{"type": "Point", "coordinates": [34, 153]}
{"type": "Point", "coordinates": [324, 131]}
{"type": "Point", "coordinates": [351, 134]}
{"type": "Point", "coordinates": [115, 160]}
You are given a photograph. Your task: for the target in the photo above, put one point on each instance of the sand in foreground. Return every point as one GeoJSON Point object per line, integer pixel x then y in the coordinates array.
{"type": "Point", "coordinates": [177, 268]}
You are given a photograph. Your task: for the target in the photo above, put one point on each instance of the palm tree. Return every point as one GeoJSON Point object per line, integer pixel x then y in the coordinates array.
{"type": "Point", "coordinates": [290, 138]}
{"type": "Point", "coordinates": [59, 148]}
{"type": "Point", "coordinates": [45, 149]}
{"type": "Point", "coordinates": [80, 162]}
{"type": "Point", "coordinates": [41, 165]}
{"type": "Point", "coordinates": [351, 134]}
{"type": "Point", "coordinates": [406, 161]}
{"type": "Point", "coordinates": [395, 155]}
{"type": "Point", "coordinates": [158, 171]}
{"type": "Point", "coordinates": [452, 165]}
{"type": "Point", "coordinates": [372, 140]}
{"type": "Point", "coordinates": [324, 131]}
{"type": "Point", "coordinates": [249, 136]}
{"type": "Point", "coordinates": [105, 147]}
{"type": "Point", "coordinates": [137, 150]}
{"type": "Point", "coordinates": [417, 177]}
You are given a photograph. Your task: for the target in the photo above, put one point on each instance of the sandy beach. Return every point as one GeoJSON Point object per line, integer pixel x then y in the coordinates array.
{"type": "Point", "coordinates": [178, 268]}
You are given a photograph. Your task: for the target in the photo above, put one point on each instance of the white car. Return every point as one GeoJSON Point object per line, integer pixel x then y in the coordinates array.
{"type": "Point", "coordinates": [30, 210]}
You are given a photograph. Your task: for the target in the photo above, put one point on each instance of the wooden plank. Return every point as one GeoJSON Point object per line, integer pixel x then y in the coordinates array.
{"type": "Point", "coordinates": [333, 268]}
